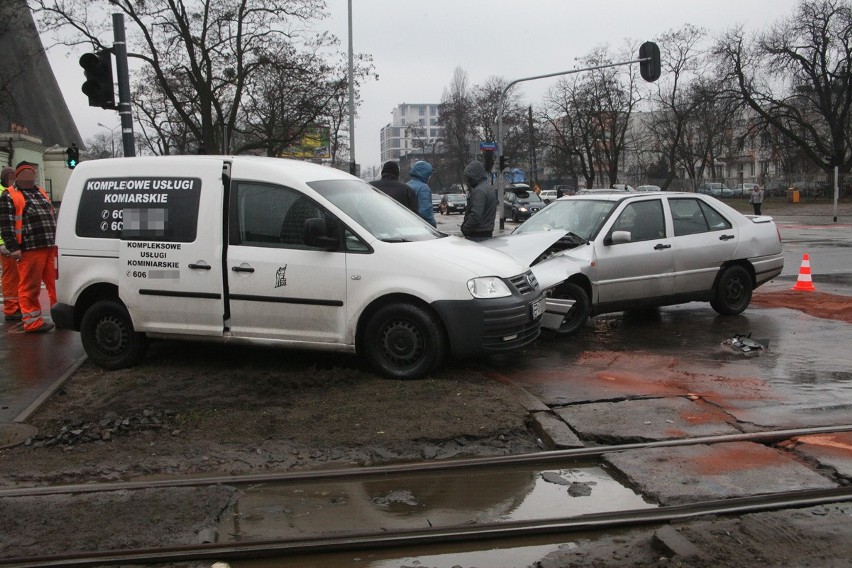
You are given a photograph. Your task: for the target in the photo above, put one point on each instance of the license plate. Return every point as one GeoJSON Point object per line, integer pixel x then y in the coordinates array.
{"type": "Point", "coordinates": [537, 307]}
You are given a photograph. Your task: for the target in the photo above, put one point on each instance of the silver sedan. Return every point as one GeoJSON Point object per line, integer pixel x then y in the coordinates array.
{"type": "Point", "coordinates": [602, 253]}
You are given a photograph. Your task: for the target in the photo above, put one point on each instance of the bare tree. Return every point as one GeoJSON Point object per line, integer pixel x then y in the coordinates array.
{"type": "Point", "coordinates": [708, 135]}
{"type": "Point", "coordinates": [797, 78]}
{"type": "Point", "coordinates": [203, 59]}
{"type": "Point", "coordinates": [675, 103]}
{"type": "Point", "coordinates": [485, 110]}
{"type": "Point", "coordinates": [455, 115]}
{"type": "Point", "coordinates": [590, 116]}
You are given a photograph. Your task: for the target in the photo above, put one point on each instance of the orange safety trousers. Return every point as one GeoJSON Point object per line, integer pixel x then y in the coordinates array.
{"type": "Point", "coordinates": [10, 283]}
{"type": "Point", "coordinates": [35, 266]}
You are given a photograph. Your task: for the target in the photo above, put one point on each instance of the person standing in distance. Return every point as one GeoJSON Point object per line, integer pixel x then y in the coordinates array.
{"type": "Point", "coordinates": [756, 198]}
{"type": "Point", "coordinates": [420, 173]}
{"type": "Point", "coordinates": [28, 226]}
{"type": "Point", "coordinates": [390, 184]}
{"type": "Point", "coordinates": [10, 282]}
{"type": "Point", "coordinates": [478, 224]}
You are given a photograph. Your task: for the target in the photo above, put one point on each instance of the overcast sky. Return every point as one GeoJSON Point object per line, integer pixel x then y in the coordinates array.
{"type": "Point", "coordinates": [417, 45]}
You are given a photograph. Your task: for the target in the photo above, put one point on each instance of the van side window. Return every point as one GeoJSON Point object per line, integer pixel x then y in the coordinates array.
{"type": "Point", "coordinates": [273, 216]}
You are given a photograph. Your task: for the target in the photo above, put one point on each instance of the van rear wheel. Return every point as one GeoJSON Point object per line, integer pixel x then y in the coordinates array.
{"type": "Point", "coordinates": [109, 338]}
{"type": "Point", "coordinates": [404, 341]}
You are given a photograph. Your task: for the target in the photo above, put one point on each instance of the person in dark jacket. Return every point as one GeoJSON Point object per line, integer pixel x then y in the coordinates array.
{"type": "Point", "coordinates": [420, 173]}
{"type": "Point", "coordinates": [478, 224]}
{"type": "Point", "coordinates": [391, 185]}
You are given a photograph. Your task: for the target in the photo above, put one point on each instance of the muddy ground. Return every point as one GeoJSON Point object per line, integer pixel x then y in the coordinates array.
{"type": "Point", "coordinates": [196, 409]}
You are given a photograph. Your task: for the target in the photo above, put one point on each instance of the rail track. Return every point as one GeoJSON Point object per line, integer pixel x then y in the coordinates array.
{"type": "Point", "coordinates": [383, 538]}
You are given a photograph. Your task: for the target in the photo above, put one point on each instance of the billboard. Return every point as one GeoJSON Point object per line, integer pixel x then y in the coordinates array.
{"type": "Point", "coordinates": [315, 143]}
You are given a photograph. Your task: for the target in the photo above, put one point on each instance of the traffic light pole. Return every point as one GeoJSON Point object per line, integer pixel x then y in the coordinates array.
{"type": "Point", "coordinates": [120, 50]}
{"type": "Point", "coordinates": [501, 179]}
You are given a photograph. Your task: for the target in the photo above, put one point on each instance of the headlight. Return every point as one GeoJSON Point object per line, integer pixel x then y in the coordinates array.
{"type": "Point", "coordinates": [523, 209]}
{"type": "Point", "coordinates": [488, 287]}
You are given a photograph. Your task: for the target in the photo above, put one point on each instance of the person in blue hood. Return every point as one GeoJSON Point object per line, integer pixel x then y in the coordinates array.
{"type": "Point", "coordinates": [420, 173]}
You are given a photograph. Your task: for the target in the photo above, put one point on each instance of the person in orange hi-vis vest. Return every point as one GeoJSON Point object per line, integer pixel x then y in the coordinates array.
{"type": "Point", "coordinates": [28, 227]}
{"type": "Point", "coordinates": [9, 277]}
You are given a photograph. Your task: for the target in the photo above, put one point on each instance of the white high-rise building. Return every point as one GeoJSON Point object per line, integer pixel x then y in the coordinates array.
{"type": "Point", "coordinates": [413, 129]}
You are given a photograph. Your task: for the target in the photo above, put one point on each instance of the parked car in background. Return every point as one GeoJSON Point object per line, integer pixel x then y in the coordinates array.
{"type": "Point", "coordinates": [743, 189]}
{"type": "Point", "coordinates": [623, 186]}
{"type": "Point", "coordinates": [520, 202]}
{"type": "Point", "coordinates": [548, 195]}
{"type": "Point", "coordinates": [716, 189]}
{"type": "Point", "coordinates": [648, 188]}
{"type": "Point", "coordinates": [606, 252]}
{"type": "Point", "coordinates": [452, 203]}
{"type": "Point", "coordinates": [436, 201]}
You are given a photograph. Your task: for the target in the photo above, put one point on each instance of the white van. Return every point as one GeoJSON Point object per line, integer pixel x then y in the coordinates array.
{"type": "Point", "coordinates": [275, 252]}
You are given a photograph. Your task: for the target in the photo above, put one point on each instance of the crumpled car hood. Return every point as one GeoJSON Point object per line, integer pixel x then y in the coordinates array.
{"type": "Point", "coordinates": [525, 247]}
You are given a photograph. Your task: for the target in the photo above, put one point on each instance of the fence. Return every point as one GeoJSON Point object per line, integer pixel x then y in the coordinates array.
{"type": "Point", "coordinates": [809, 186]}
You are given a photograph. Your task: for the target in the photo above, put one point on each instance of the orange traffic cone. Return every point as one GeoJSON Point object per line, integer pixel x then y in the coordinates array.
{"type": "Point", "coordinates": [804, 283]}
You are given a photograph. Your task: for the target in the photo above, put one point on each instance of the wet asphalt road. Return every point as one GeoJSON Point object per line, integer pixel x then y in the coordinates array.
{"type": "Point", "coordinates": [809, 363]}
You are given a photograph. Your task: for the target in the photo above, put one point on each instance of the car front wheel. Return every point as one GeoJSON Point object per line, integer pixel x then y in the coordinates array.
{"type": "Point", "coordinates": [404, 341]}
{"type": "Point", "coordinates": [109, 338]}
{"type": "Point", "coordinates": [733, 292]}
{"type": "Point", "coordinates": [578, 315]}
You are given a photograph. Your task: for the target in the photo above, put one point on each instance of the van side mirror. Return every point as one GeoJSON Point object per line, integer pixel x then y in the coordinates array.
{"type": "Point", "coordinates": [316, 235]}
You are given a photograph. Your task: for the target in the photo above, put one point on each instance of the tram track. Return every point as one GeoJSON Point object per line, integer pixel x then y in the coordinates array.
{"type": "Point", "coordinates": [391, 538]}
{"type": "Point", "coordinates": [542, 458]}
{"type": "Point", "coordinates": [375, 540]}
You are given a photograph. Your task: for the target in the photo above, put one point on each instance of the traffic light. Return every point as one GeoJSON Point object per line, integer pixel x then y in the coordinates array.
{"type": "Point", "coordinates": [72, 154]}
{"type": "Point", "coordinates": [650, 67]}
{"type": "Point", "coordinates": [504, 162]}
{"type": "Point", "coordinates": [98, 86]}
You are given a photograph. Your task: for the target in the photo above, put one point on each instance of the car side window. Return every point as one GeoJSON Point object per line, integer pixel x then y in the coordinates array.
{"type": "Point", "coordinates": [692, 216]}
{"type": "Point", "coordinates": [273, 216]}
{"type": "Point", "coordinates": [714, 219]}
{"type": "Point", "coordinates": [644, 220]}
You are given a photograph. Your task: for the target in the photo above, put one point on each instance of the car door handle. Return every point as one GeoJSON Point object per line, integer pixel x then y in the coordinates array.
{"type": "Point", "coordinates": [242, 269]}
{"type": "Point", "coordinates": [200, 266]}
{"type": "Point", "coordinates": [661, 246]}
{"type": "Point", "coordinates": [726, 237]}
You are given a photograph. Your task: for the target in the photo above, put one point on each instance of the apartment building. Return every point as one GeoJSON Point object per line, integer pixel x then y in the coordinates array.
{"type": "Point", "coordinates": [413, 129]}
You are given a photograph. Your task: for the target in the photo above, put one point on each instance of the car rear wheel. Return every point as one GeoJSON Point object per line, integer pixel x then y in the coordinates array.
{"type": "Point", "coordinates": [733, 292]}
{"type": "Point", "coordinates": [109, 338]}
{"type": "Point", "coordinates": [578, 315]}
{"type": "Point", "coordinates": [404, 341]}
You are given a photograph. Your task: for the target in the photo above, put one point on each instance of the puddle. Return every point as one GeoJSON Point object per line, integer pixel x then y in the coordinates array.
{"type": "Point", "coordinates": [451, 555]}
{"type": "Point", "coordinates": [419, 501]}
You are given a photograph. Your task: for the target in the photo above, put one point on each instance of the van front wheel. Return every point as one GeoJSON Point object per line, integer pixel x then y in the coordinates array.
{"type": "Point", "coordinates": [108, 336]}
{"type": "Point", "coordinates": [404, 341]}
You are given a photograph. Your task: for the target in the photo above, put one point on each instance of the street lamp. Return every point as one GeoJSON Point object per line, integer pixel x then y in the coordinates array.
{"type": "Point", "coordinates": [112, 136]}
{"type": "Point", "coordinates": [352, 166]}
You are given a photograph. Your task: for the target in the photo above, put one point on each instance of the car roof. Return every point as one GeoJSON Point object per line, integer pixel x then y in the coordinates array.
{"type": "Point", "coordinates": [603, 190]}
{"type": "Point", "coordinates": [619, 195]}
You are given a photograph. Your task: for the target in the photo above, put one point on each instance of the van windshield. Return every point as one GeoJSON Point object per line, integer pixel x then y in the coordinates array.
{"type": "Point", "coordinates": [380, 215]}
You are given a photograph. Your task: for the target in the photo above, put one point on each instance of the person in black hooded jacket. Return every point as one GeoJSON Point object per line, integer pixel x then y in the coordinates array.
{"type": "Point", "coordinates": [478, 224]}
{"type": "Point", "coordinates": [391, 185]}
